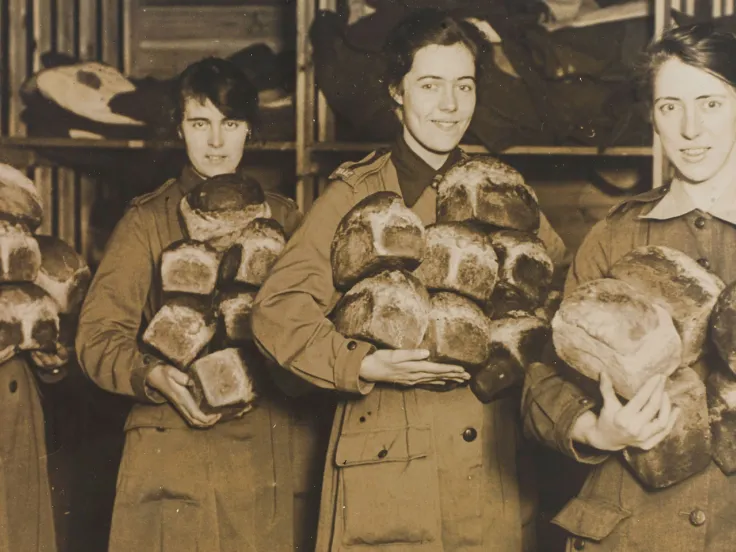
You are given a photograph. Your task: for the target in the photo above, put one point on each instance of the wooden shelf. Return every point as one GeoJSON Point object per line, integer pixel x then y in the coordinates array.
{"type": "Point", "coordinates": [38, 142]}
{"type": "Point", "coordinates": [626, 151]}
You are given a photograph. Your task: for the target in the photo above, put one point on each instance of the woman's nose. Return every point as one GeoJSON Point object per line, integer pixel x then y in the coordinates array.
{"type": "Point", "coordinates": [692, 124]}
{"type": "Point", "coordinates": [215, 137]}
{"type": "Point", "coordinates": [448, 102]}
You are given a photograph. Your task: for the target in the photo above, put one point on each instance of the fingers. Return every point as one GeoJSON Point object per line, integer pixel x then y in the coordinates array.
{"type": "Point", "coordinates": [407, 355]}
{"type": "Point", "coordinates": [186, 405]}
{"type": "Point", "coordinates": [659, 423]}
{"type": "Point", "coordinates": [609, 395]}
{"type": "Point", "coordinates": [178, 376]}
{"type": "Point", "coordinates": [658, 437]}
{"type": "Point", "coordinates": [436, 368]}
{"type": "Point", "coordinates": [652, 385]}
{"type": "Point", "coordinates": [655, 402]}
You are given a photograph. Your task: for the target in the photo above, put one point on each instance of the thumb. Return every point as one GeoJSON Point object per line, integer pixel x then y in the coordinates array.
{"type": "Point", "coordinates": [606, 387]}
{"type": "Point", "coordinates": [178, 376]}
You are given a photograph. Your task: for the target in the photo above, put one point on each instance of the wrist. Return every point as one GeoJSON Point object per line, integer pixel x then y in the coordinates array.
{"type": "Point", "coordinates": [583, 431]}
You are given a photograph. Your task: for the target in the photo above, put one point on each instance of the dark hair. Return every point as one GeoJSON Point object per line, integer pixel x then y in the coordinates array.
{"type": "Point", "coordinates": [422, 28]}
{"type": "Point", "coordinates": [700, 46]}
{"type": "Point", "coordinates": [224, 84]}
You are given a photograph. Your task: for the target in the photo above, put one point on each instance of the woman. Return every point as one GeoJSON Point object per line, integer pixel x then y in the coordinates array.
{"type": "Point", "coordinates": [187, 482]}
{"type": "Point", "coordinates": [407, 468]}
{"type": "Point", "coordinates": [690, 79]}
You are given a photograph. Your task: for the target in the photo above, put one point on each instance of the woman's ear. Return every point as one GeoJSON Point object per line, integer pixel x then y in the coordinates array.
{"type": "Point", "coordinates": [179, 132]}
{"type": "Point", "coordinates": [396, 94]}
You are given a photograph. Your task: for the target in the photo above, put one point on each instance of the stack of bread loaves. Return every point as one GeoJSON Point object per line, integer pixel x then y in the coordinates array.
{"type": "Point", "coordinates": [651, 316]}
{"type": "Point", "coordinates": [43, 280]}
{"type": "Point", "coordinates": [466, 288]}
{"type": "Point", "coordinates": [209, 281]}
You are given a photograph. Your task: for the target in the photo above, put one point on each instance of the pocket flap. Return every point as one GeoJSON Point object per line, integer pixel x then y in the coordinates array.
{"type": "Point", "coordinates": [382, 445]}
{"type": "Point", "coordinates": [592, 519]}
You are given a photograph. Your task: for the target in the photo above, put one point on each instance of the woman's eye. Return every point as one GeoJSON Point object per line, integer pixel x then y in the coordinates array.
{"type": "Point", "coordinates": [429, 86]}
{"type": "Point", "coordinates": [466, 87]}
{"type": "Point", "coordinates": [667, 108]}
{"type": "Point", "coordinates": [198, 124]}
{"type": "Point", "coordinates": [713, 104]}
{"type": "Point", "coordinates": [231, 125]}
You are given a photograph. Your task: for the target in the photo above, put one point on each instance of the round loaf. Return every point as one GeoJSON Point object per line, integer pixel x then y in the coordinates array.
{"type": "Point", "coordinates": [389, 309]}
{"type": "Point", "coordinates": [19, 198]}
{"type": "Point", "coordinates": [378, 233]}
{"type": "Point", "coordinates": [20, 256]}
{"type": "Point", "coordinates": [607, 325]}
{"type": "Point", "coordinates": [64, 274]}
{"type": "Point", "coordinates": [486, 190]}
{"type": "Point", "coordinates": [29, 319]}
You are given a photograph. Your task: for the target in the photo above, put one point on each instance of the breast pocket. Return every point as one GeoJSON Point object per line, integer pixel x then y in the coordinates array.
{"type": "Point", "coordinates": [388, 486]}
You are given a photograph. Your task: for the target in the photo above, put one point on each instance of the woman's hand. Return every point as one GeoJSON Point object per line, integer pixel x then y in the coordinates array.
{"type": "Point", "coordinates": [408, 367]}
{"type": "Point", "coordinates": [645, 420]}
{"type": "Point", "coordinates": [174, 385]}
{"type": "Point", "coordinates": [51, 361]}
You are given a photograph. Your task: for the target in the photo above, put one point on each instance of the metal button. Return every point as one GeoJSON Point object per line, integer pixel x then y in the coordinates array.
{"type": "Point", "coordinates": [584, 401]}
{"type": "Point", "coordinates": [470, 434]}
{"type": "Point", "coordinates": [382, 453]}
{"type": "Point", "coordinates": [705, 263]}
{"type": "Point", "coordinates": [697, 517]}
{"type": "Point", "coordinates": [699, 222]}
{"type": "Point", "coordinates": [352, 345]}
{"type": "Point", "coordinates": [578, 543]}
{"type": "Point", "coordinates": [13, 386]}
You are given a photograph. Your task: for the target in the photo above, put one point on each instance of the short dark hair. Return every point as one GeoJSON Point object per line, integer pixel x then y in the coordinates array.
{"type": "Point", "coordinates": [425, 27]}
{"type": "Point", "coordinates": [699, 45]}
{"type": "Point", "coordinates": [224, 84]}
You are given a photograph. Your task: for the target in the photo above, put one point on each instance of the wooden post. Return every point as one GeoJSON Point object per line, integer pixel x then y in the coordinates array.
{"type": "Point", "coordinates": [305, 106]}
{"type": "Point", "coordinates": [111, 49]}
{"type": "Point", "coordinates": [18, 61]}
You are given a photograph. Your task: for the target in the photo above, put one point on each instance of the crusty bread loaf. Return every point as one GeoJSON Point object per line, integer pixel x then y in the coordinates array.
{"type": "Point", "coordinates": [721, 394]}
{"type": "Point", "coordinates": [673, 280]}
{"type": "Point", "coordinates": [458, 332]}
{"type": "Point", "coordinates": [378, 233]}
{"type": "Point", "coordinates": [29, 319]}
{"type": "Point", "coordinates": [19, 199]}
{"type": "Point", "coordinates": [389, 309]}
{"type": "Point", "coordinates": [525, 272]}
{"type": "Point", "coordinates": [219, 208]}
{"type": "Point", "coordinates": [20, 257]}
{"type": "Point", "coordinates": [64, 274]}
{"type": "Point", "coordinates": [459, 258]}
{"type": "Point", "coordinates": [486, 190]}
{"type": "Point", "coordinates": [607, 325]}
{"type": "Point", "coordinates": [687, 448]}
{"type": "Point", "coordinates": [181, 329]}
{"type": "Point", "coordinates": [250, 260]}
{"type": "Point", "coordinates": [222, 380]}
{"type": "Point", "coordinates": [233, 311]}
{"type": "Point", "coordinates": [723, 326]}
{"type": "Point", "coordinates": [515, 343]}
{"type": "Point", "coordinates": [189, 266]}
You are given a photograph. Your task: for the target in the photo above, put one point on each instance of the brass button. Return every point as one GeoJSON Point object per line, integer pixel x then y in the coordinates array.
{"type": "Point", "coordinates": [700, 222]}
{"type": "Point", "coordinates": [578, 543]}
{"type": "Point", "coordinates": [470, 434]}
{"type": "Point", "coordinates": [705, 263]}
{"type": "Point", "coordinates": [697, 517]}
{"type": "Point", "coordinates": [584, 401]}
{"type": "Point", "coordinates": [352, 345]}
{"type": "Point", "coordinates": [13, 386]}
{"type": "Point", "coordinates": [382, 453]}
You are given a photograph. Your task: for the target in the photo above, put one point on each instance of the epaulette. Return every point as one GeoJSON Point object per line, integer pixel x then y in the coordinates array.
{"type": "Point", "coordinates": [646, 197]}
{"type": "Point", "coordinates": [285, 201]}
{"type": "Point", "coordinates": [145, 198]}
{"type": "Point", "coordinates": [353, 171]}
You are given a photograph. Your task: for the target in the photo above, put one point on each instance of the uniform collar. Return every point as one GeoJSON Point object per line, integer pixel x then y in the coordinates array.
{"type": "Point", "coordinates": [189, 179]}
{"type": "Point", "coordinates": [677, 202]}
{"type": "Point", "coordinates": [414, 174]}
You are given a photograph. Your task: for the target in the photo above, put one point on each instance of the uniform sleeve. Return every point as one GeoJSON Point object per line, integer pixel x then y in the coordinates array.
{"type": "Point", "coordinates": [552, 402]}
{"type": "Point", "coordinates": [107, 338]}
{"type": "Point", "coordinates": [553, 242]}
{"type": "Point", "coordinates": [289, 317]}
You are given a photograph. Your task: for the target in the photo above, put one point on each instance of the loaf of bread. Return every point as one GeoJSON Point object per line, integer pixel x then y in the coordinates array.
{"type": "Point", "coordinates": [222, 382]}
{"type": "Point", "coordinates": [515, 343]}
{"type": "Point", "coordinates": [63, 274]}
{"type": "Point", "coordinates": [250, 260]}
{"type": "Point", "coordinates": [721, 393]}
{"type": "Point", "coordinates": [189, 266]}
{"type": "Point", "coordinates": [459, 258]}
{"type": "Point", "coordinates": [607, 325]}
{"type": "Point", "coordinates": [181, 328]}
{"type": "Point", "coordinates": [458, 332]}
{"type": "Point", "coordinates": [218, 209]}
{"type": "Point", "coordinates": [389, 309]}
{"type": "Point", "coordinates": [20, 201]}
{"type": "Point", "coordinates": [233, 312]}
{"type": "Point", "coordinates": [525, 272]}
{"type": "Point", "coordinates": [687, 448]}
{"type": "Point", "coordinates": [673, 280]}
{"type": "Point", "coordinates": [486, 190]}
{"type": "Point", "coordinates": [29, 320]}
{"type": "Point", "coordinates": [723, 326]}
{"type": "Point", "coordinates": [378, 233]}
{"type": "Point", "coordinates": [20, 257]}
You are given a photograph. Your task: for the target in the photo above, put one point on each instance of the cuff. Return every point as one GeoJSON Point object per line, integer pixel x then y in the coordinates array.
{"type": "Point", "coordinates": [347, 367]}
{"type": "Point", "coordinates": [563, 433]}
{"type": "Point", "coordinates": [138, 378]}
{"type": "Point", "coordinates": [51, 375]}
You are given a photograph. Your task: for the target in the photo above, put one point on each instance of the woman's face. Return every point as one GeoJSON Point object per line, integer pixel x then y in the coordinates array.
{"type": "Point", "coordinates": [695, 117]}
{"type": "Point", "coordinates": [437, 99]}
{"type": "Point", "coordinates": [214, 142]}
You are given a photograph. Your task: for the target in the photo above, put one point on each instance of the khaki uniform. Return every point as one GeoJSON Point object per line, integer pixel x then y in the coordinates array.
{"type": "Point", "coordinates": [407, 469]}
{"type": "Point", "coordinates": [26, 519]}
{"type": "Point", "coordinates": [613, 512]}
{"type": "Point", "coordinates": [227, 488]}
